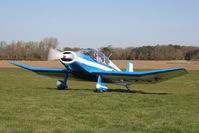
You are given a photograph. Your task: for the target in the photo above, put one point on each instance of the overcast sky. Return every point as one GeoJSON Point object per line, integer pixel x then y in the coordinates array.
{"type": "Point", "coordinates": [96, 23]}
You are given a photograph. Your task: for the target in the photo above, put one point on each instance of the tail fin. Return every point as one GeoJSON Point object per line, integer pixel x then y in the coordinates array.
{"type": "Point", "coordinates": [129, 67]}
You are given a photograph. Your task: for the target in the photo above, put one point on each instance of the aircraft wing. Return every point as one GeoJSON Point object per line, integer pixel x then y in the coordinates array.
{"type": "Point", "coordinates": [53, 72]}
{"type": "Point", "coordinates": [140, 77]}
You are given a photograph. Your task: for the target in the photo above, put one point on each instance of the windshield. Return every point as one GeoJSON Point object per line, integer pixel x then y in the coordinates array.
{"type": "Point", "coordinates": [96, 55]}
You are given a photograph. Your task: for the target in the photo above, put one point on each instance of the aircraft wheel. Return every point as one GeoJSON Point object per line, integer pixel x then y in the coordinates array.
{"type": "Point", "coordinates": [61, 88]}
{"type": "Point", "coordinates": [99, 91]}
{"type": "Point", "coordinates": [61, 85]}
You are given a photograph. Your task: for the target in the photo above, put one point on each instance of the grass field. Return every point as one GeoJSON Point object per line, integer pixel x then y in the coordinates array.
{"type": "Point", "coordinates": [30, 103]}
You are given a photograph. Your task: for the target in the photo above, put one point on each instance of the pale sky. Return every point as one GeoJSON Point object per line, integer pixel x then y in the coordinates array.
{"type": "Point", "coordinates": [97, 23]}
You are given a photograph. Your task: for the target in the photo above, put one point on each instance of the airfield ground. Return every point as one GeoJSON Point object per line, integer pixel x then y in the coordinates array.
{"type": "Point", "coordinates": [31, 103]}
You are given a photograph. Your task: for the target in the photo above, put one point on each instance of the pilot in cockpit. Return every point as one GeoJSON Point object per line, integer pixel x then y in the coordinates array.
{"type": "Point", "coordinates": [94, 56]}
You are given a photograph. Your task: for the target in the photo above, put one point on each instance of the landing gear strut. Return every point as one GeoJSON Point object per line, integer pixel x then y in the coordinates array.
{"type": "Point", "coordinates": [127, 86]}
{"type": "Point", "coordinates": [100, 87]}
{"type": "Point", "coordinates": [62, 84]}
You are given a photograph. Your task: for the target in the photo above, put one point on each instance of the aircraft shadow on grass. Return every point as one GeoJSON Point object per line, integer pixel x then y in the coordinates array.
{"type": "Point", "coordinates": [135, 91]}
{"type": "Point", "coordinates": [117, 90]}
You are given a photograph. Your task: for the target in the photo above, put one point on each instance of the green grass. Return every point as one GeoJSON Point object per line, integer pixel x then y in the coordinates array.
{"type": "Point", "coordinates": [30, 103]}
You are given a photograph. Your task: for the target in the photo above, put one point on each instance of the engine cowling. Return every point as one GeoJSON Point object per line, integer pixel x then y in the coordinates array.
{"type": "Point", "coordinates": [68, 57]}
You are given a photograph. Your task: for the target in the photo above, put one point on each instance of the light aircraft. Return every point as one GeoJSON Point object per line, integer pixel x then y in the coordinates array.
{"type": "Point", "coordinates": [92, 65]}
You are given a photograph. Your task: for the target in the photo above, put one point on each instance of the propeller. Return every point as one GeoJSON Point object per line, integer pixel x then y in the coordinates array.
{"type": "Point", "coordinates": [54, 54]}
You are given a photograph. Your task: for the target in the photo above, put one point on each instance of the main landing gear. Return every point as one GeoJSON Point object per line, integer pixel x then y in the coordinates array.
{"type": "Point", "coordinates": [100, 87]}
{"type": "Point", "coordinates": [62, 84]}
{"type": "Point", "coordinates": [127, 87]}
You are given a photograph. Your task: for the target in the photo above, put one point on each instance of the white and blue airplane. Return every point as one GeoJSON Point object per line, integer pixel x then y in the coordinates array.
{"type": "Point", "coordinates": [92, 65]}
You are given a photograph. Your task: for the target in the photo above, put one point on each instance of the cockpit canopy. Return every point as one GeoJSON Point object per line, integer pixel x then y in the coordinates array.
{"type": "Point", "coordinates": [96, 55]}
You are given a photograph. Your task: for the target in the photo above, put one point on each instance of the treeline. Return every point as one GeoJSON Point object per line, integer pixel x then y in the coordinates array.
{"type": "Point", "coordinates": [158, 52]}
{"type": "Point", "coordinates": [21, 50]}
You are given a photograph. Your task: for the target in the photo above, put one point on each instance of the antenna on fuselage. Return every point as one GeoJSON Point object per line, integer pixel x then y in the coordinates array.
{"type": "Point", "coordinates": [106, 49]}
{"type": "Point", "coordinates": [110, 54]}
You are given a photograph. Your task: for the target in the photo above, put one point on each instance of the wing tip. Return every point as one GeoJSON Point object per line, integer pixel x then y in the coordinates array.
{"type": "Point", "coordinates": [21, 65]}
